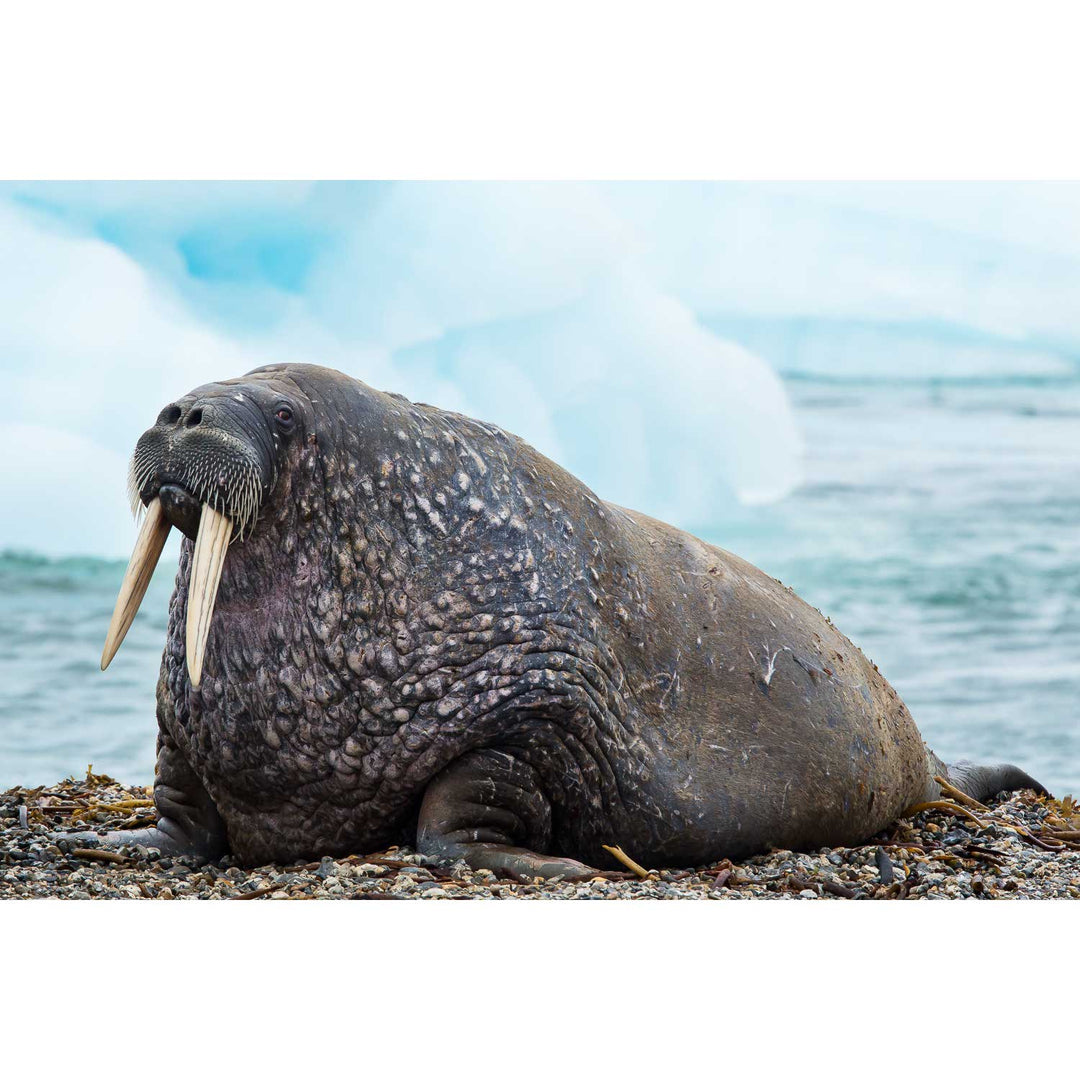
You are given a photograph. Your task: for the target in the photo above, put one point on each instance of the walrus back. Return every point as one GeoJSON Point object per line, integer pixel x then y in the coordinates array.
{"type": "Point", "coordinates": [779, 731]}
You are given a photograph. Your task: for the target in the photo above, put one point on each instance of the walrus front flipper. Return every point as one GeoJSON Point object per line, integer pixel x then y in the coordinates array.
{"type": "Point", "coordinates": [186, 826]}
{"type": "Point", "coordinates": [188, 822]}
{"type": "Point", "coordinates": [481, 808]}
{"type": "Point", "coordinates": [984, 781]}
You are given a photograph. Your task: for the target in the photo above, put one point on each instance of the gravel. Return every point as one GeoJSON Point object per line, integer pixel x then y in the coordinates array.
{"type": "Point", "coordinates": [937, 854]}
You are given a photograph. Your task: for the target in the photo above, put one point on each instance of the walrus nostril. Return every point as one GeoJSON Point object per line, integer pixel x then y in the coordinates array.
{"type": "Point", "coordinates": [194, 418]}
{"type": "Point", "coordinates": [169, 415]}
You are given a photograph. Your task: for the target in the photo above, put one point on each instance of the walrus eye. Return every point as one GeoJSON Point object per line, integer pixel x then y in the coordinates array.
{"type": "Point", "coordinates": [284, 417]}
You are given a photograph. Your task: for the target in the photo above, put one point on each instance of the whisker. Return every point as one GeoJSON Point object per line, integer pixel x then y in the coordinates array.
{"type": "Point", "coordinates": [234, 489]}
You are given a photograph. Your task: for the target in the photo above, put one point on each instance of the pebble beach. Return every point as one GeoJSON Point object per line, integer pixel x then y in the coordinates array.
{"type": "Point", "coordinates": [1022, 846]}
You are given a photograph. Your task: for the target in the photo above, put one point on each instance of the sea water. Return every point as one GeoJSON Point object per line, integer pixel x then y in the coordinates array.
{"type": "Point", "coordinates": [938, 526]}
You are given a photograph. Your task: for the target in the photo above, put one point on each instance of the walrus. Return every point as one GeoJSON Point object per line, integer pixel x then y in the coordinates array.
{"type": "Point", "coordinates": [396, 624]}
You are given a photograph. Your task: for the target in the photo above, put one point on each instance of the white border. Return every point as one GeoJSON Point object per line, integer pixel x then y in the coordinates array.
{"type": "Point", "coordinates": [829, 90]}
{"type": "Point", "coordinates": [547, 988]}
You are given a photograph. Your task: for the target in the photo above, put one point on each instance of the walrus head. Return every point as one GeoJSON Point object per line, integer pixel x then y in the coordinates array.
{"type": "Point", "coordinates": [206, 466]}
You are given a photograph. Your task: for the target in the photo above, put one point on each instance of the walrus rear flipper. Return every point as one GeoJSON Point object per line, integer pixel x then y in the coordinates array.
{"type": "Point", "coordinates": [984, 781]}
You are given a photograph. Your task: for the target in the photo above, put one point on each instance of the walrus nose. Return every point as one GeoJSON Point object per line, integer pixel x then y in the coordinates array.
{"type": "Point", "coordinates": [182, 414]}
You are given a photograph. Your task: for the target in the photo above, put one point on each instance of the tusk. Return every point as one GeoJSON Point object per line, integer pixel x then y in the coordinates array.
{"type": "Point", "coordinates": [148, 545]}
{"type": "Point", "coordinates": [206, 565]}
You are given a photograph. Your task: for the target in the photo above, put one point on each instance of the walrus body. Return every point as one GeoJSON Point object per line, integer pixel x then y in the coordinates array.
{"type": "Point", "coordinates": [432, 634]}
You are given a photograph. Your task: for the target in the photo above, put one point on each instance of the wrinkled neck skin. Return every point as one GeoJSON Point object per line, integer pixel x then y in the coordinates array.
{"type": "Point", "coordinates": [385, 616]}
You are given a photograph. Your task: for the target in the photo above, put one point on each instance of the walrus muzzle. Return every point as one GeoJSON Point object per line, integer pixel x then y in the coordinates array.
{"type": "Point", "coordinates": [205, 468]}
{"type": "Point", "coordinates": [215, 531]}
